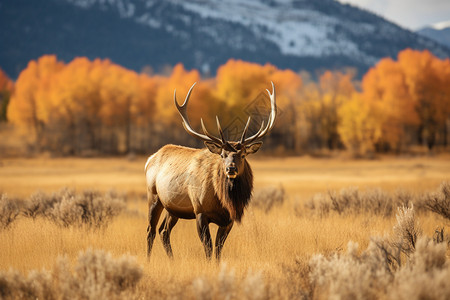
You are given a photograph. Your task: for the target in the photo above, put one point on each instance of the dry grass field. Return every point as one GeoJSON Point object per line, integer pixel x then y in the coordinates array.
{"type": "Point", "coordinates": [271, 254]}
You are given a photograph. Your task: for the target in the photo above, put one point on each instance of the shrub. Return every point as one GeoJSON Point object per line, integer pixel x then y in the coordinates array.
{"type": "Point", "coordinates": [439, 202]}
{"type": "Point", "coordinates": [425, 276]}
{"type": "Point", "coordinates": [9, 211]}
{"type": "Point", "coordinates": [268, 197]}
{"type": "Point", "coordinates": [407, 230]}
{"type": "Point", "coordinates": [377, 201]}
{"type": "Point", "coordinates": [295, 283]}
{"type": "Point", "coordinates": [226, 286]}
{"type": "Point", "coordinates": [66, 208]}
{"type": "Point", "coordinates": [348, 276]}
{"type": "Point", "coordinates": [353, 201]}
{"type": "Point", "coordinates": [96, 276]}
{"type": "Point", "coordinates": [99, 276]}
{"type": "Point", "coordinates": [39, 204]}
{"type": "Point", "coordinates": [381, 271]}
{"type": "Point", "coordinates": [319, 204]}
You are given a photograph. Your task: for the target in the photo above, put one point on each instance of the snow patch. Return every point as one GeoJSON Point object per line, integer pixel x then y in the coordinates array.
{"type": "Point", "coordinates": [441, 25]}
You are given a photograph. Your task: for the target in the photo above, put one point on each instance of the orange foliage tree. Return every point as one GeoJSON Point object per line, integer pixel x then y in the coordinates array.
{"type": "Point", "coordinates": [336, 88]}
{"type": "Point", "coordinates": [409, 99]}
{"type": "Point", "coordinates": [403, 102]}
{"type": "Point", "coordinates": [6, 88]}
{"type": "Point", "coordinates": [82, 105]}
{"type": "Point", "coordinates": [359, 125]}
{"type": "Point", "coordinates": [320, 108]}
{"type": "Point", "coordinates": [181, 80]}
{"type": "Point", "coordinates": [427, 79]}
{"type": "Point", "coordinates": [386, 92]}
{"type": "Point", "coordinates": [97, 105]}
{"type": "Point", "coordinates": [74, 104]}
{"type": "Point", "coordinates": [241, 86]}
{"type": "Point", "coordinates": [25, 109]}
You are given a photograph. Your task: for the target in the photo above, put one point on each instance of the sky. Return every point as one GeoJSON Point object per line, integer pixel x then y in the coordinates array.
{"type": "Point", "coordinates": [410, 14]}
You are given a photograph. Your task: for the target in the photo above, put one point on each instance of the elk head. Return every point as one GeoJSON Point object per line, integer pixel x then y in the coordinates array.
{"type": "Point", "coordinates": [233, 153]}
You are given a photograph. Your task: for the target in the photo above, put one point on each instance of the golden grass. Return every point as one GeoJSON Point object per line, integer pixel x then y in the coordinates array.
{"type": "Point", "coordinates": [263, 242]}
{"type": "Point", "coordinates": [301, 176]}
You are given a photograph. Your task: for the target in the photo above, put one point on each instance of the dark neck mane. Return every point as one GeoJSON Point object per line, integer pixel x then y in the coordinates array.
{"type": "Point", "coordinates": [234, 194]}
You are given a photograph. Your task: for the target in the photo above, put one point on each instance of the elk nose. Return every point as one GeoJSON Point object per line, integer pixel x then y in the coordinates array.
{"type": "Point", "coordinates": [231, 169]}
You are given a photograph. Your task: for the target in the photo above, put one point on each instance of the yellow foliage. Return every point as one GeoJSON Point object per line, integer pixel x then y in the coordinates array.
{"type": "Point", "coordinates": [239, 81]}
{"type": "Point", "coordinates": [358, 127]}
{"type": "Point", "coordinates": [400, 100]}
{"type": "Point", "coordinates": [409, 92]}
{"type": "Point", "coordinates": [5, 83]}
{"type": "Point", "coordinates": [180, 80]}
{"type": "Point", "coordinates": [25, 107]}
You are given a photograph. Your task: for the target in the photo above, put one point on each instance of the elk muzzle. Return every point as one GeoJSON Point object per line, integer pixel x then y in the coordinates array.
{"type": "Point", "coordinates": [231, 172]}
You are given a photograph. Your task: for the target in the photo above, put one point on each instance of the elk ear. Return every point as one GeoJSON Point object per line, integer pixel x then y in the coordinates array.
{"type": "Point", "coordinates": [214, 148]}
{"type": "Point", "coordinates": [253, 148]}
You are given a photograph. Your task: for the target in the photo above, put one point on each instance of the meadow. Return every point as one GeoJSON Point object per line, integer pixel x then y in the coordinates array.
{"type": "Point", "coordinates": [291, 249]}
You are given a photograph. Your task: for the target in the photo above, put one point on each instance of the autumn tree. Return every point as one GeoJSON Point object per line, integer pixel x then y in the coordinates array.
{"type": "Point", "coordinates": [309, 112]}
{"type": "Point", "coordinates": [6, 88]}
{"type": "Point", "coordinates": [97, 105]}
{"type": "Point", "coordinates": [241, 86]}
{"type": "Point", "coordinates": [358, 127]}
{"type": "Point", "coordinates": [84, 105]}
{"type": "Point", "coordinates": [428, 86]}
{"type": "Point", "coordinates": [75, 104]}
{"type": "Point", "coordinates": [336, 88]}
{"type": "Point", "coordinates": [144, 112]}
{"type": "Point", "coordinates": [320, 108]}
{"type": "Point", "coordinates": [409, 99]}
{"type": "Point", "coordinates": [24, 109]}
{"type": "Point", "coordinates": [385, 92]}
{"type": "Point", "coordinates": [288, 85]}
{"type": "Point", "coordinates": [180, 80]}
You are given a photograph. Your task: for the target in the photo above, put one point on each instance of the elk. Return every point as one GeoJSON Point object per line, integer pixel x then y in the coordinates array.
{"type": "Point", "coordinates": [211, 185]}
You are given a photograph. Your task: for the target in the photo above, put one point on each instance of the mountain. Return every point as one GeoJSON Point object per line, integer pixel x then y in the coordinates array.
{"type": "Point", "coordinates": [439, 32]}
{"type": "Point", "coordinates": [308, 34]}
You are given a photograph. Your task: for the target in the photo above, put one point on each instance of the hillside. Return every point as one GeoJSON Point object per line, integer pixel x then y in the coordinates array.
{"type": "Point", "coordinates": [307, 34]}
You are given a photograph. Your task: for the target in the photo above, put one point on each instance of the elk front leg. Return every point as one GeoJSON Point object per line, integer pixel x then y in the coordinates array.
{"type": "Point", "coordinates": [222, 234]}
{"type": "Point", "coordinates": [154, 212]}
{"type": "Point", "coordinates": [204, 234]}
{"type": "Point", "coordinates": [165, 230]}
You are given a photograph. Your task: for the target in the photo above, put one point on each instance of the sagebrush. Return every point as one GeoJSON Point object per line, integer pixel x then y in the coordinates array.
{"type": "Point", "coordinates": [439, 202]}
{"type": "Point", "coordinates": [405, 265]}
{"type": "Point", "coordinates": [96, 275]}
{"type": "Point", "coordinates": [268, 197]}
{"type": "Point", "coordinates": [376, 201]}
{"type": "Point", "coordinates": [402, 264]}
{"type": "Point", "coordinates": [9, 211]}
{"type": "Point", "coordinates": [89, 208]}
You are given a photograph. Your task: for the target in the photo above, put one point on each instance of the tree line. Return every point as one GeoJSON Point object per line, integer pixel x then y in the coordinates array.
{"type": "Point", "coordinates": [97, 106]}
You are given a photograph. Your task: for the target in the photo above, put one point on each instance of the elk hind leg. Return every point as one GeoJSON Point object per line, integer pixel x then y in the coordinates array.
{"type": "Point", "coordinates": [204, 234]}
{"type": "Point", "coordinates": [222, 234]}
{"type": "Point", "coordinates": [164, 231]}
{"type": "Point", "coordinates": [154, 212]}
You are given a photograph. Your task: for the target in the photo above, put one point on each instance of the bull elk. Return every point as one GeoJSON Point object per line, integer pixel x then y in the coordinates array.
{"type": "Point", "coordinates": [211, 185]}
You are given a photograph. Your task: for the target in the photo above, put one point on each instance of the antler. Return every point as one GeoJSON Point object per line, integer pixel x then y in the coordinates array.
{"type": "Point", "coordinates": [262, 131]}
{"type": "Point", "coordinates": [207, 137]}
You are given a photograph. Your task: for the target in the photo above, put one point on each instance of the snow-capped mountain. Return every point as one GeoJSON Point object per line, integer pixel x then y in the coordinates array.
{"type": "Point", "coordinates": [439, 32]}
{"type": "Point", "coordinates": [303, 34]}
